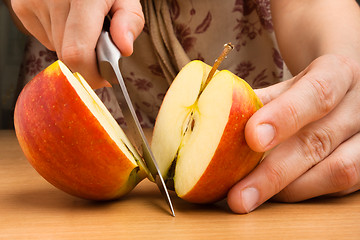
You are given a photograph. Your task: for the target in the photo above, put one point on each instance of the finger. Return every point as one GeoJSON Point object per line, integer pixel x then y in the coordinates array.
{"type": "Point", "coordinates": [291, 159]}
{"type": "Point", "coordinates": [40, 33]}
{"type": "Point", "coordinates": [337, 175]}
{"type": "Point", "coordinates": [354, 188]}
{"type": "Point", "coordinates": [43, 15]}
{"type": "Point", "coordinates": [32, 22]}
{"type": "Point", "coordinates": [268, 94]}
{"type": "Point", "coordinates": [59, 11]}
{"type": "Point", "coordinates": [82, 31]}
{"type": "Point", "coordinates": [126, 24]}
{"type": "Point", "coordinates": [310, 98]}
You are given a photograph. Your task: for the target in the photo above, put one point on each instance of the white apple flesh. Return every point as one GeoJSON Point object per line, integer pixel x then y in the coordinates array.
{"type": "Point", "coordinates": [201, 133]}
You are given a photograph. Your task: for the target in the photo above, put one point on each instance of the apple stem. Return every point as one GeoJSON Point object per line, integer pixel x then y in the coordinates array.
{"type": "Point", "coordinates": [190, 121]}
{"type": "Point", "coordinates": [227, 48]}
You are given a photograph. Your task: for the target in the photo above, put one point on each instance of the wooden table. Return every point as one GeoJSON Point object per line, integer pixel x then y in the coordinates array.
{"type": "Point", "coordinates": [31, 208]}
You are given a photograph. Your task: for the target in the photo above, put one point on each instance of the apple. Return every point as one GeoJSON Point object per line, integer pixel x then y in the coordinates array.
{"type": "Point", "coordinates": [198, 139]}
{"type": "Point", "coordinates": [71, 139]}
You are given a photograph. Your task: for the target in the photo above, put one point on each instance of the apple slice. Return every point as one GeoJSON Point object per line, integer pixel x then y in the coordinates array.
{"type": "Point", "coordinates": [198, 139]}
{"type": "Point", "coordinates": [72, 140]}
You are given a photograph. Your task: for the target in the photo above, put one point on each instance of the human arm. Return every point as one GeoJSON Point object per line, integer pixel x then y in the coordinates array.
{"type": "Point", "coordinates": [72, 28]}
{"type": "Point", "coordinates": [308, 29]}
{"type": "Point", "coordinates": [311, 122]}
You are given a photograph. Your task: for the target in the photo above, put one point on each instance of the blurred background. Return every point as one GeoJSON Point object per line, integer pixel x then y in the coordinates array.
{"type": "Point", "coordinates": [12, 43]}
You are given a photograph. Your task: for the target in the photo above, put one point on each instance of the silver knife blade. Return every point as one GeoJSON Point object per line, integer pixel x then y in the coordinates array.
{"type": "Point", "coordinates": [108, 56]}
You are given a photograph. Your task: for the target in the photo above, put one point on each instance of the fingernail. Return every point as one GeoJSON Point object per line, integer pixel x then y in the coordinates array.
{"type": "Point", "coordinates": [249, 197]}
{"type": "Point", "coordinates": [266, 134]}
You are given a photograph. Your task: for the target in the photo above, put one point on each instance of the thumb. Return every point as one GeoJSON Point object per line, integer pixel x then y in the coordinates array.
{"type": "Point", "coordinates": [126, 24]}
{"type": "Point", "coordinates": [266, 95]}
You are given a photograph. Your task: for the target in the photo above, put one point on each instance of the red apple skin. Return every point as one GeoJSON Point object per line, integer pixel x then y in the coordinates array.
{"type": "Point", "coordinates": [233, 158]}
{"type": "Point", "coordinates": [66, 144]}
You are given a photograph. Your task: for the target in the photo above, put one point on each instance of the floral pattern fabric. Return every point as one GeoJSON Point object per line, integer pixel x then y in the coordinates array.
{"type": "Point", "coordinates": [202, 27]}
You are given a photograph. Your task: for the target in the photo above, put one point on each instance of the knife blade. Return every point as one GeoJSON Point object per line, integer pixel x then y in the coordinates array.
{"type": "Point", "coordinates": [108, 56]}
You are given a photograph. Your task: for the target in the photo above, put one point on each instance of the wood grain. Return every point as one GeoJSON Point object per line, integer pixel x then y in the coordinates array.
{"type": "Point", "coordinates": [31, 208]}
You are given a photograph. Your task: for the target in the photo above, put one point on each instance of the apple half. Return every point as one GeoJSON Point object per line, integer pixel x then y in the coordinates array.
{"type": "Point", "coordinates": [198, 138]}
{"type": "Point", "coordinates": [72, 140]}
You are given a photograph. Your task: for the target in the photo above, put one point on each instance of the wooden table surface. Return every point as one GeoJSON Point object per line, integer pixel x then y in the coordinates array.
{"type": "Point", "coordinates": [31, 208]}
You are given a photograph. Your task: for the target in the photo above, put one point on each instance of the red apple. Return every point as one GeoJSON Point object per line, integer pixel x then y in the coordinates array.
{"type": "Point", "coordinates": [71, 139]}
{"type": "Point", "coordinates": [198, 139]}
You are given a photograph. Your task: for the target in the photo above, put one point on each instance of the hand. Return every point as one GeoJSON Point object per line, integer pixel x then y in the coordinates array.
{"type": "Point", "coordinates": [311, 123]}
{"type": "Point", "coordinates": [72, 28]}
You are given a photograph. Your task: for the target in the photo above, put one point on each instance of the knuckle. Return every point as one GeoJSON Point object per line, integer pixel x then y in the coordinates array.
{"type": "Point", "coordinates": [344, 173]}
{"type": "Point", "coordinates": [139, 11]}
{"type": "Point", "coordinates": [276, 175]}
{"type": "Point", "coordinates": [315, 144]}
{"type": "Point", "coordinates": [73, 54]}
{"type": "Point", "coordinates": [324, 92]}
{"type": "Point", "coordinates": [139, 16]}
{"type": "Point", "coordinates": [133, 11]}
{"type": "Point", "coordinates": [349, 64]}
{"type": "Point", "coordinates": [292, 111]}
{"type": "Point", "coordinates": [351, 67]}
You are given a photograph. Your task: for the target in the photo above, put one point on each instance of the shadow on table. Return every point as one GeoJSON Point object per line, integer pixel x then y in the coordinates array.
{"type": "Point", "coordinates": [47, 197]}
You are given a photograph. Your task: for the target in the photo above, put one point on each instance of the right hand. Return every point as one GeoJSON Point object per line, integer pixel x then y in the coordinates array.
{"type": "Point", "coordinates": [72, 28]}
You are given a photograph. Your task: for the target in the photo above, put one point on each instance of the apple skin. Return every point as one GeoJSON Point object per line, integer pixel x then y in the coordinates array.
{"type": "Point", "coordinates": [233, 158]}
{"type": "Point", "coordinates": [65, 142]}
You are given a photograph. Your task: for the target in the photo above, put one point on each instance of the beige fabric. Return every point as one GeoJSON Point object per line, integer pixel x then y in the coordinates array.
{"type": "Point", "coordinates": [169, 52]}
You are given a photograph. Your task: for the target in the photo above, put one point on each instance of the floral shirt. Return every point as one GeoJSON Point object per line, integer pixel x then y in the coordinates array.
{"type": "Point", "coordinates": [197, 29]}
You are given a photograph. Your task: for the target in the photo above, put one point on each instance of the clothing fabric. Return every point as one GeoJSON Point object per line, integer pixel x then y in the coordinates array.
{"type": "Point", "coordinates": [176, 32]}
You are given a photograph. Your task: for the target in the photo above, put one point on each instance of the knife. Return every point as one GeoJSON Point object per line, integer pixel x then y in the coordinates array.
{"type": "Point", "coordinates": [108, 56]}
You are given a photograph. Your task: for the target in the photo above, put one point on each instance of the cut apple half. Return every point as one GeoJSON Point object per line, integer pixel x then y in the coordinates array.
{"type": "Point", "coordinates": [198, 138]}
{"type": "Point", "coordinates": [72, 140]}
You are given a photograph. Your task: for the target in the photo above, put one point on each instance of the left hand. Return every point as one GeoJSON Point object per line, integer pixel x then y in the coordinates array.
{"type": "Point", "coordinates": [311, 124]}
